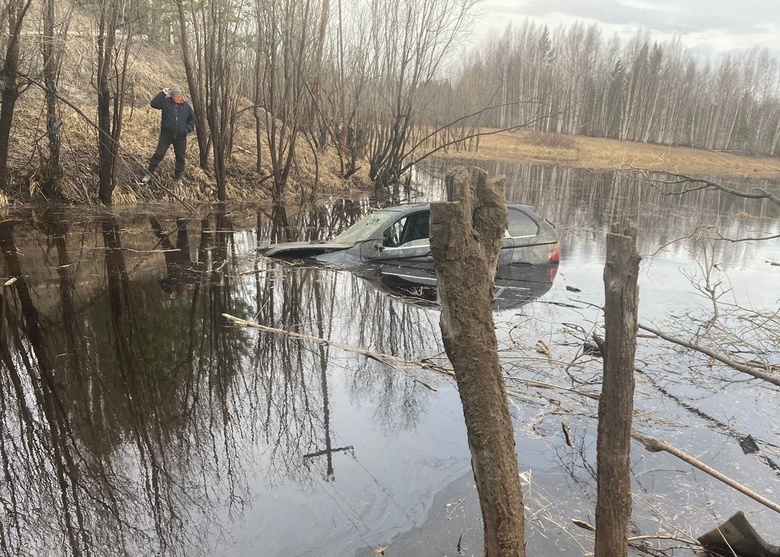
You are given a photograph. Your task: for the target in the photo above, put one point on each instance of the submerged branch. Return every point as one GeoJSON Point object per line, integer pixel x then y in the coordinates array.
{"type": "Point", "coordinates": [655, 445]}
{"type": "Point", "coordinates": [392, 361]}
{"type": "Point", "coordinates": [744, 368]}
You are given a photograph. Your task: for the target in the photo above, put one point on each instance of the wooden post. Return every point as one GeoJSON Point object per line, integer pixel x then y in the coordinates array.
{"type": "Point", "coordinates": [613, 503]}
{"type": "Point", "coordinates": [466, 237]}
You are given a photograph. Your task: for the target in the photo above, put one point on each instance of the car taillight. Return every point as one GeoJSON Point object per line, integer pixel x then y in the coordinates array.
{"type": "Point", "coordinates": [555, 255]}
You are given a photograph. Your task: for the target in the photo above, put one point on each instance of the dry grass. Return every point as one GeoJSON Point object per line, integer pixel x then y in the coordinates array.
{"type": "Point", "coordinates": [604, 154]}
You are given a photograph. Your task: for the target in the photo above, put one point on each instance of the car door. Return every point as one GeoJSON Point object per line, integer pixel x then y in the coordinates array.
{"type": "Point", "coordinates": [406, 242]}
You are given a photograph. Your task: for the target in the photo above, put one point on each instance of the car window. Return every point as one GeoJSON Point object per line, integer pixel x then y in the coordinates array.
{"type": "Point", "coordinates": [417, 227]}
{"type": "Point", "coordinates": [411, 230]}
{"type": "Point", "coordinates": [392, 236]}
{"type": "Point", "coordinates": [521, 224]}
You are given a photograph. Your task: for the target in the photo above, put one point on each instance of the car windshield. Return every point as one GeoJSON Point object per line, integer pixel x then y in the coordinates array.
{"type": "Point", "coordinates": [364, 228]}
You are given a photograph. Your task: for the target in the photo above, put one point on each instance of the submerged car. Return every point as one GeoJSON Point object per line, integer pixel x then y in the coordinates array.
{"type": "Point", "coordinates": [399, 236]}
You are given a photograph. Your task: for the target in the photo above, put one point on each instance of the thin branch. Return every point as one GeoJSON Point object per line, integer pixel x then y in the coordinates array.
{"type": "Point", "coordinates": [750, 370]}
{"type": "Point", "coordinates": [734, 240]}
{"type": "Point", "coordinates": [760, 193]}
{"type": "Point", "coordinates": [424, 156]}
{"type": "Point", "coordinates": [657, 445]}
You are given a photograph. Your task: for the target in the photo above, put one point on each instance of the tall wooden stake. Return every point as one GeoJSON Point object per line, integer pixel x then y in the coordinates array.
{"type": "Point", "coordinates": [616, 404]}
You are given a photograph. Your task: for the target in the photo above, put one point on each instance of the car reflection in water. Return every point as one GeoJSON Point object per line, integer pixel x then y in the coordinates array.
{"type": "Point", "coordinates": [515, 285]}
{"type": "Point", "coordinates": [399, 236]}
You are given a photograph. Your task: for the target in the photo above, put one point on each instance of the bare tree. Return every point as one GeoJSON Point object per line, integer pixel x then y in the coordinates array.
{"type": "Point", "coordinates": [52, 49]}
{"type": "Point", "coordinates": [193, 63]}
{"type": "Point", "coordinates": [113, 52]}
{"type": "Point", "coordinates": [257, 90]}
{"type": "Point", "coordinates": [221, 86]}
{"type": "Point", "coordinates": [287, 28]}
{"type": "Point", "coordinates": [410, 42]}
{"type": "Point", "coordinates": [12, 16]}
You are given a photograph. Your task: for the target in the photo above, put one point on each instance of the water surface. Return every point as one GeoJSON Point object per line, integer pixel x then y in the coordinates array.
{"type": "Point", "coordinates": [137, 419]}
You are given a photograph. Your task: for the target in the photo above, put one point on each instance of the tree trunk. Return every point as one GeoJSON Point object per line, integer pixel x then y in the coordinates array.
{"type": "Point", "coordinates": [52, 164]}
{"type": "Point", "coordinates": [54, 37]}
{"type": "Point", "coordinates": [196, 89]}
{"type": "Point", "coordinates": [14, 13]}
{"type": "Point", "coordinates": [466, 237]}
{"type": "Point", "coordinates": [616, 404]}
{"type": "Point", "coordinates": [8, 96]}
{"type": "Point", "coordinates": [106, 149]}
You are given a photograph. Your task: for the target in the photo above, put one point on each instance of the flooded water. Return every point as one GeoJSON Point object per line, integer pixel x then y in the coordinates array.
{"type": "Point", "coordinates": [136, 419]}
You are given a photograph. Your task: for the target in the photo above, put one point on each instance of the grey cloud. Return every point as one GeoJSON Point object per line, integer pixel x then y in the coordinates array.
{"type": "Point", "coordinates": [667, 16]}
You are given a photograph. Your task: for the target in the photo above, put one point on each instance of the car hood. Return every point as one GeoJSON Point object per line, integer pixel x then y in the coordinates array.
{"type": "Point", "coordinates": [301, 249]}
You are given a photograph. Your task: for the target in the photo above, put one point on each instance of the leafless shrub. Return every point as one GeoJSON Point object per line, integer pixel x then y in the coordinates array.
{"type": "Point", "coordinates": [553, 140]}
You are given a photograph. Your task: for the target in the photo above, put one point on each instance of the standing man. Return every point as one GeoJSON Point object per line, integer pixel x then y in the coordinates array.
{"type": "Point", "coordinates": [178, 119]}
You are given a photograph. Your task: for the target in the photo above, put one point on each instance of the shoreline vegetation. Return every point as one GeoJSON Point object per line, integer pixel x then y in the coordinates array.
{"type": "Point", "coordinates": [314, 172]}
{"type": "Point", "coordinates": [319, 175]}
{"type": "Point", "coordinates": [314, 114]}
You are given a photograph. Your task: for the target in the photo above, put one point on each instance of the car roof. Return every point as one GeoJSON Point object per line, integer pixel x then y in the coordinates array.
{"type": "Point", "coordinates": [405, 207]}
{"type": "Point", "coordinates": [409, 207]}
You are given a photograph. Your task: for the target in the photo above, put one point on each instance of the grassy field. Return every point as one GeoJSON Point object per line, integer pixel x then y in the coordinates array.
{"type": "Point", "coordinates": [604, 154]}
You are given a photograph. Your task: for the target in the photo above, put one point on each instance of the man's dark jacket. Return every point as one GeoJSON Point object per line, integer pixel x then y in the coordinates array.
{"type": "Point", "coordinates": [177, 119]}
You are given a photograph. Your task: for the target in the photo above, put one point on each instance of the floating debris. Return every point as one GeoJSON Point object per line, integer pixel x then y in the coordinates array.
{"type": "Point", "coordinates": [737, 537]}
{"type": "Point", "coordinates": [749, 445]}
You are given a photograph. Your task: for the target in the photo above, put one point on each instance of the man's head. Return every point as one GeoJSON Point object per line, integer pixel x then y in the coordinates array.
{"type": "Point", "coordinates": [177, 94]}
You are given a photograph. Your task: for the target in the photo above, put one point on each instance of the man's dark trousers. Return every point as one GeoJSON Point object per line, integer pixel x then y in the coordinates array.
{"type": "Point", "coordinates": [179, 149]}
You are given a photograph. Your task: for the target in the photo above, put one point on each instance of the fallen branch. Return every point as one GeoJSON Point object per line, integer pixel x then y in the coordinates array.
{"type": "Point", "coordinates": [750, 370]}
{"type": "Point", "coordinates": [707, 184]}
{"type": "Point", "coordinates": [647, 537]}
{"type": "Point", "coordinates": [657, 445]}
{"type": "Point", "coordinates": [391, 361]}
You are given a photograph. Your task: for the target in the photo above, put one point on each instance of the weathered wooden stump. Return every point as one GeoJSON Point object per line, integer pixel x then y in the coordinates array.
{"type": "Point", "coordinates": [616, 404]}
{"type": "Point", "coordinates": [466, 237]}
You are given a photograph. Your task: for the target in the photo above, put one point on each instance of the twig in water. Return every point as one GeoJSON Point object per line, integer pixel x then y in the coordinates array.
{"type": "Point", "coordinates": [450, 513]}
{"type": "Point", "coordinates": [392, 361]}
{"type": "Point", "coordinates": [750, 370]}
{"type": "Point", "coordinates": [657, 445]}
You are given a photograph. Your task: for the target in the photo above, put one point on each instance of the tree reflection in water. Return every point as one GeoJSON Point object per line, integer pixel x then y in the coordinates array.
{"type": "Point", "coordinates": [98, 428]}
{"type": "Point", "coordinates": [136, 423]}
{"type": "Point", "coordinates": [129, 417]}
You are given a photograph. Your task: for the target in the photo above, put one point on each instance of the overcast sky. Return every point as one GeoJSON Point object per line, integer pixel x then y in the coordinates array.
{"type": "Point", "coordinates": [705, 26]}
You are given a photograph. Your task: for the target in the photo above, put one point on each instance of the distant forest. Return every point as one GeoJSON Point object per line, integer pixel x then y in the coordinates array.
{"type": "Point", "coordinates": [383, 83]}
{"type": "Point", "coordinates": [642, 90]}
